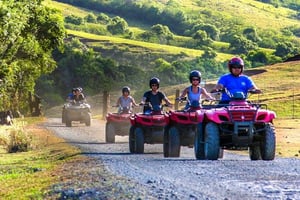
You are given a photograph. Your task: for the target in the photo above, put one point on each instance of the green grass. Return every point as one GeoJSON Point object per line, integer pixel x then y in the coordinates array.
{"type": "Point", "coordinates": [281, 89]}
{"type": "Point", "coordinates": [67, 9]}
{"type": "Point", "coordinates": [254, 13]}
{"type": "Point", "coordinates": [27, 175]}
{"type": "Point", "coordinates": [147, 45]}
{"type": "Point", "coordinates": [260, 15]}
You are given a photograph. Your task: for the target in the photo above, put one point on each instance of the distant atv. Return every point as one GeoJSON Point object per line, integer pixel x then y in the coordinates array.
{"type": "Point", "coordinates": [238, 125]}
{"type": "Point", "coordinates": [117, 124]}
{"type": "Point", "coordinates": [76, 111]}
{"type": "Point", "coordinates": [147, 128]}
{"type": "Point", "coordinates": [182, 128]}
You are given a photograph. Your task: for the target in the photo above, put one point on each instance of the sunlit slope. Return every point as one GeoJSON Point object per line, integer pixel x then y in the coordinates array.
{"type": "Point", "coordinates": [281, 88]}
{"type": "Point", "coordinates": [254, 13]}
{"type": "Point", "coordinates": [100, 40]}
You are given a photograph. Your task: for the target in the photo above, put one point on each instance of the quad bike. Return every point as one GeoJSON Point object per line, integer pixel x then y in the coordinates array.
{"type": "Point", "coordinates": [239, 125]}
{"type": "Point", "coordinates": [76, 111]}
{"type": "Point", "coordinates": [147, 127]}
{"type": "Point", "coordinates": [182, 128]}
{"type": "Point", "coordinates": [117, 124]}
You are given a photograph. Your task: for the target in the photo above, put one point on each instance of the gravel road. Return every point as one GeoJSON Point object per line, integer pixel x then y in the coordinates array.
{"type": "Point", "coordinates": [233, 177]}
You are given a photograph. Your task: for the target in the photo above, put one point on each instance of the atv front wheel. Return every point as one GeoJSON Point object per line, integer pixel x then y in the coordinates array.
{"type": "Point", "coordinates": [199, 143]}
{"type": "Point", "coordinates": [174, 142]}
{"type": "Point", "coordinates": [131, 140]}
{"type": "Point", "coordinates": [166, 141]}
{"type": "Point", "coordinates": [139, 140]}
{"type": "Point", "coordinates": [110, 133]}
{"type": "Point", "coordinates": [212, 141]}
{"type": "Point", "coordinates": [268, 143]}
{"type": "Point", "coordinates": [88, 119]}
{"type": "Point", "coordinates": [63, 116]}
{"type": "Point", "coordinates": [254, 152]}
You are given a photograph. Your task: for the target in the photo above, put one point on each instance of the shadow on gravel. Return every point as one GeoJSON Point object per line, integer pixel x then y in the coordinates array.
{"type": "Point", "coordinates": [116, 153]}
{"type": "Point", "coordinates": [76, 142]}
{"type": "Point", "coordinates": [104, 153]}
{"type": "Point", "coordinates": [56, 125]}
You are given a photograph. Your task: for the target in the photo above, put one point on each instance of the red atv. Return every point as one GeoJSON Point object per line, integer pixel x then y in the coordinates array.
{"type": "Point", "coordinates": [117, 124]}
{"type": "Point", "coordinates": [238, 125]}
{"type": "Point", "coordinates": [182, 128]}
{"type": "Point", "coordinates": [147, 127]}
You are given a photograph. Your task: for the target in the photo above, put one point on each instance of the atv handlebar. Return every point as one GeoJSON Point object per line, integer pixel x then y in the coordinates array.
{"type": "Point", "coordinates": [218, 91]}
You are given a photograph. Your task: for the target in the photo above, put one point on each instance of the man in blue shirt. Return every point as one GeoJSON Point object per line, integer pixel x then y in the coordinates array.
{"type": "Point", "coordinates": [235, 81]}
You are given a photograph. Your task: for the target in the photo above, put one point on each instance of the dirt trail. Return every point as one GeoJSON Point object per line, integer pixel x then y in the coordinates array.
{"type": "Point", "coordinates": [233, 177]}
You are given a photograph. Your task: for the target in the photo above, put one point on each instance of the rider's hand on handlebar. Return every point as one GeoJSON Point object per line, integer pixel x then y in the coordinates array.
{"type": "Point", "coordinates": [217, 90]}
{"type": "Point", "coordinates": [210, 99]}
{"type": "Point", "coordinates": [180, 99]}
{"type": "Point", "coordinates": [255, 91]}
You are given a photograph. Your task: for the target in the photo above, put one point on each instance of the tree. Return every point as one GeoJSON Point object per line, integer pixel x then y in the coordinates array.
{"type": "Point", "coordinates": [284, 49]}
{"type": "Point", "coordinates": [162, 32]}
{"type": "Point", "coordinates": [251, 34]}
{"type": "Point", "coordinates": [209, 53]}
{"type": "Point", "coordinates": [91, 18]}
{"type": "Point", "coordinates": [202, 38]}
{"type": "Point", "coordinates": [103, 18]}
{"type": "Point", "coordinates": [211, 31]}
{"type": "Point", "coordinates": [29, 33]}
{"type": "Point", "coordinates": [73, 19]}
{"type": "Point", "coordinates": [118, 26]}
{"type": "Point", "coordinates": [242, 45]}
{"type": "Point", "coordinates": [258, 58]}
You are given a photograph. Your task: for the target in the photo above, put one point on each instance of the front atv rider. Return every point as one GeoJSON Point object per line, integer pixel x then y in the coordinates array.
{"type": "Point", "coordinates": [154, 97]}
{"type": "Point", "coordinates": [235, 81]}
{"type": "Point", "coordinates": [126, 101]}
{"type": "Point", "coordinates": [194, 91]}
{"type": "Point", "coordinates": [78, 96]}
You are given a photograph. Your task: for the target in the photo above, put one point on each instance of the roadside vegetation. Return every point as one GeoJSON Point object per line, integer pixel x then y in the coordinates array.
{"type": "Point", "coordinates": [28, 172]}
{"type": "Point", "coordinates": [168, 42]}
{"type": "Point", "coordinates": [102, 51]}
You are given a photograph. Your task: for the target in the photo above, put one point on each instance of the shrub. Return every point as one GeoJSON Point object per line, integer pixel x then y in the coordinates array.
{"type": "Point", "coordinates": [19, 141]}
{"type": "Point", "coordinates": [15, 139]}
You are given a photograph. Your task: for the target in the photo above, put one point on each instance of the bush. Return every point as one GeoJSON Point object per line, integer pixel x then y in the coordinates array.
{"type": "Point", "coordinates": [15, 139]}
{"type": "Point", "coordinates": [19, 141]}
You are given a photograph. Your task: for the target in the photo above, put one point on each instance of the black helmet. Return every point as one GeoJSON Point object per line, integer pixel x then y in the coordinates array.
{"type": "Point", "coordinates": [154, 80]}
{"type": "Point", "coordinates": [196, 74]}
{"type": "Point", "coordinates": [73, 89]}
{"type": "Point", "coordinates": [236, 62]}
{"type": "Point", "coordinates": [126, 89]}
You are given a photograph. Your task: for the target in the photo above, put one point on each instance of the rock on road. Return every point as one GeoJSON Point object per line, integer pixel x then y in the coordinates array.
{"type": "Point", "coordinates": [233, 177]}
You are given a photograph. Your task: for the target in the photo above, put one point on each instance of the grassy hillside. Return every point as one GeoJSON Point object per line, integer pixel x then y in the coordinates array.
{"type": "Point", "coordinates": [281, 86]}
{"type": "Point", "coordinates": [254, 13]}
{"type": "Point", "coordinates": [263, 17]}
{"type": "Point", "coordinates": [279, 82]}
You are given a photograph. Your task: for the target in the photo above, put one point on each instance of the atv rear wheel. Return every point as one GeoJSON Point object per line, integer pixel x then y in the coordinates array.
{"type": "Point", "coordinates": [110, 133]}
{"type": "Point", "coordinates": [174, 142]}
{"type": "Point", "coordinates": [199, 143]}
{"type": "Point", "coordinates": [212, 141]}
{"type": "Point", "coordinates": [139, 140]}
{"type": "Point", "coordinates": [268, 143]}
